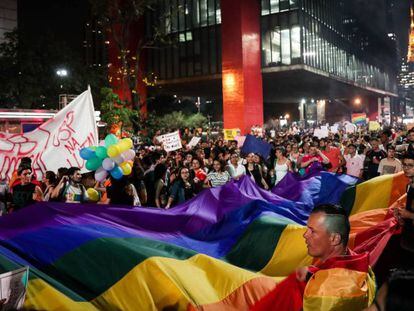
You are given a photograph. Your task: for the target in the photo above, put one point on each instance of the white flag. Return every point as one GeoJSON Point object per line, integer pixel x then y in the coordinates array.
{"type": "Point", "coordinates": [55, 143]}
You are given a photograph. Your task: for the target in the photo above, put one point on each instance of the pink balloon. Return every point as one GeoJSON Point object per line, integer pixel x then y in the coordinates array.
{"type": "Point", "coordinates": [108, 164]}
{"type": "Point", "coordinates": [129, 155]}
{"type": "Point", "coordinates": [100, 174]}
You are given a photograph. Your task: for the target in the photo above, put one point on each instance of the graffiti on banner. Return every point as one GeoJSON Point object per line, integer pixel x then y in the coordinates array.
{"type": "Point", "coordinates": [55, 143]}
{"type": "Point", "coordinates": [170, 141]}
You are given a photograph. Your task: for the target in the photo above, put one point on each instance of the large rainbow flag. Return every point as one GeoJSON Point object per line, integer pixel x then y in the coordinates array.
{"type": "Point", "coordinates": [224, 250]}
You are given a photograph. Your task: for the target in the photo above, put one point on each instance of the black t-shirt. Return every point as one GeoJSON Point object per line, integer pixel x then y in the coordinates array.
{"type": "Point", "coordinates": [23, 195]}
{"type": "Point", "coordinates": [372, 167]}
{"type": "Point", "coordinates": [118, 195]}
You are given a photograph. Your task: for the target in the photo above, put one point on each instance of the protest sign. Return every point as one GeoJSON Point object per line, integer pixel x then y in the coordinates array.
{"type": "Point", "coordinates": [240, 140]}
{"type": "Point", "coordinates": [55, 143]}
{"type": "Point", "coordinates": [374, 126]}
{"type": "Point", "coordinates": [350, 128]}
{"type": "Point", "coordinates": [13, 286]}
{"type": "Point", "coordinates": [321, 133]}
{"type": "Point", "coordinates": [170, 141]}
{"type": "Point", "coordinates": [194, 141]}
{"type": "Point", "coordinates": [229, 134]}
{"type": "Point", "coordinates": [255, 145]}
{"type": "Point", "coordinates": [334, 128]}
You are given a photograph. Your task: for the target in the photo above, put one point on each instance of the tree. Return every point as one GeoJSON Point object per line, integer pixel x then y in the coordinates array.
{"type": "Point", "coordinates": [28, 71]}
{"type": "Point", "coordinates": [122, 18]}
{"type": "Point", "coordinates": [116, 113]}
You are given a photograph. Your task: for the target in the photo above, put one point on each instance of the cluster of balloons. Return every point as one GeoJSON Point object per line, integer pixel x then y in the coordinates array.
{"type": "Point", "coordinates": [112, 156]}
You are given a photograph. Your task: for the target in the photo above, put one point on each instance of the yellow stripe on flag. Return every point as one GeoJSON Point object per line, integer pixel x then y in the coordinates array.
{"type": "Point", "coordinates": [290, 253]}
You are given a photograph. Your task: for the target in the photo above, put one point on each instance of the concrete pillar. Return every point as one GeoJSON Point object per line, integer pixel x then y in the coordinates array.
{"type": "Point", "coordinates": [241, 64]}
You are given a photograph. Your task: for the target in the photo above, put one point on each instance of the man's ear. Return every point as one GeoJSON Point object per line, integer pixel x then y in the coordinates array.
{"type": "Point", "coordinates": [336, 239]}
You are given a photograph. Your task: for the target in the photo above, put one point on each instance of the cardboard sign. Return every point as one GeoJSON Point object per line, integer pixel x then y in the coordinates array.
{"type": "Point", "coordinates": [321, 133]}
{"type": "Point", "coordinates": [229, 134]}
{"type": "Point", "coordinates": [350, 128]}
{"type": "Point", "coordinates": [194, 141]}
{"type": "Point", "coordinates": [13, 287]}
{"type": "Point", "coordinates": [374, 126]}
{"type": "Point", "coordinates": [170, 141]}
{"type": "Point", "coordinates": [55, 143]}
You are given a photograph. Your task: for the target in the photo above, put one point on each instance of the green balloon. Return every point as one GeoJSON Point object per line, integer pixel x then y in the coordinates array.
{"type": "Point", "coordinates": [93, 164]}
{"type": "Point", "coordinates": [101, 152]}
{"type": "Point", "coordinates": [110, 140]}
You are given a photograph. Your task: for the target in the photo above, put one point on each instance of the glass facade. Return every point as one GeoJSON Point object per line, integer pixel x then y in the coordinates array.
{"type": "Point", "coordinates": [193, 45]}
{"type": "Point", "coordinates": [307, 32]}
{"type": "Point", "coordinates": [312, 32]}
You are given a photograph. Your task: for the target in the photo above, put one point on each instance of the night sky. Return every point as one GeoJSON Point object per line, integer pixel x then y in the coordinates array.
{"type": "Point", "coordinates": [64, 18]}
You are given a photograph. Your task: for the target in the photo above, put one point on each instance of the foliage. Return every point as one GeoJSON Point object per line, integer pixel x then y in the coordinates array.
{"type": "Point", "coordinates": [196, 120]}
{"type": "Point", "coordinates": [116, 111]}
{"type": "Point", "coordinates": [121, 19]}
{"type": "Point", "coordinates": [28, 71]}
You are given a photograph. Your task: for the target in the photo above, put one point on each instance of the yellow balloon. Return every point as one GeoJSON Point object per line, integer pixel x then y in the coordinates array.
{"type": "Point", "coordinates": [113, 151]}
{"type": "Point", "coordinates": [128, 142]}
{"type": "Point", "coordinates": [93, 195]}
{"type": "Point", "coordinates": [123, 146]}
{"type": "Point", "coordinates": [126, 168]}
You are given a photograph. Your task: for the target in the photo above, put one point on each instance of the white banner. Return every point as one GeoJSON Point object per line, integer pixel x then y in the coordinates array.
{"type": "Point", "coordinates": [170, 141]}
{"type": "Point", "coordinates": [13, 287]}
{"type": "Point", "coordinates": [55, 143]}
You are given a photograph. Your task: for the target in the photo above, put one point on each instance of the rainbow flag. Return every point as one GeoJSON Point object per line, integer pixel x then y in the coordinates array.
{"type": "Point", "coordinates": [359, 118]}
{"type": "Point", "coordinates": [228, 247]}
{"type": "Point", "coordinates": [377, 193]}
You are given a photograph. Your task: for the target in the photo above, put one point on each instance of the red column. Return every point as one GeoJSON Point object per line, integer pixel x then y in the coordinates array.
{"type": "Point", "coordinates": [372, 108]}
{"type": "Point", "coordinates": [117, 82]}
{"type": "Point", "coordinates": [241, 64]}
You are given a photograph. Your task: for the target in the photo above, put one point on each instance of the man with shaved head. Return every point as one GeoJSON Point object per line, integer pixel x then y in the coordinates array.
{"type": "Point", "coordinates": [339, 279]}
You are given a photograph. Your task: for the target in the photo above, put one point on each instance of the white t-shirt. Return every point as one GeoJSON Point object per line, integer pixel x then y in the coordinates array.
{"type": "Point", "coordinates": [236, 171]}
{"type": "Point", "coordinates": [388, 166]}
{"type": "Point", "coordinates": [354, 165]}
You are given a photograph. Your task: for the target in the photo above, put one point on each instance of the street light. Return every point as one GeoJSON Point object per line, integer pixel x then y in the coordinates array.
{"type": "Point", "coordinates": [357, 101]}
{"type": "Point", "coordinates": [62, 73]}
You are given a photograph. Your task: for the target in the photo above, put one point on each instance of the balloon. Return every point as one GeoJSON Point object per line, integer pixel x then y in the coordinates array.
{"type": "Point", "coordinates": [127, 142]}
{"type": "Point", "coordinates": [101, 174]}
{"type": "Point", "coordinates": [101, 152]}
{"type": "Point", "coordinates": [93, 164]}
{"type": "Point", "coordinates": [86, 153]}
{"type": "Point", "coordinates": [130, 163]}
{"type": "Point", "coordinates": [129, 154]}
{"type": "Point", "coordinates": [93, 195]}
{"type": "Point", "coordinates": [92, 148]}
{"type": "Point", "coordinates": [102, 143]}
{"type": "Point", "coordinates": [117, 173]}
{"type": "Point", "coordinates": [108, 164]}
{"type": "Point", "coordinates": [113, 151]}
{"type": "Point", "coordinates": [110, 140]}
{"type": "Point", "coordinates": [126, 168]}
{"type": "Point", "coordinates": [119, 159]}
{"type": "Point", "coordinates": [122, 146]}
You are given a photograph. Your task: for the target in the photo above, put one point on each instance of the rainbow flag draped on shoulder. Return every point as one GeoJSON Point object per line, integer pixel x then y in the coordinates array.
{"type": "Point", "coordinates": [226, 249]}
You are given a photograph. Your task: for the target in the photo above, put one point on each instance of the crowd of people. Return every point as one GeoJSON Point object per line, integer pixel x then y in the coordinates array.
{"type": "Point", "coordinates": [164, 180]}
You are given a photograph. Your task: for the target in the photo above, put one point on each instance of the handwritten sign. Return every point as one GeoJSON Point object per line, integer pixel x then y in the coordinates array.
{"type": "Point", "coordinates": [229, 134]}
{"type": "Point", "coordinates": [194, 141]}
{"type": "Point", "coordinates": [13, 286]}
{"type": "Point", "coordinates": [55, 143]}
{"type": "Point", "coordinates": [170, 141]}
